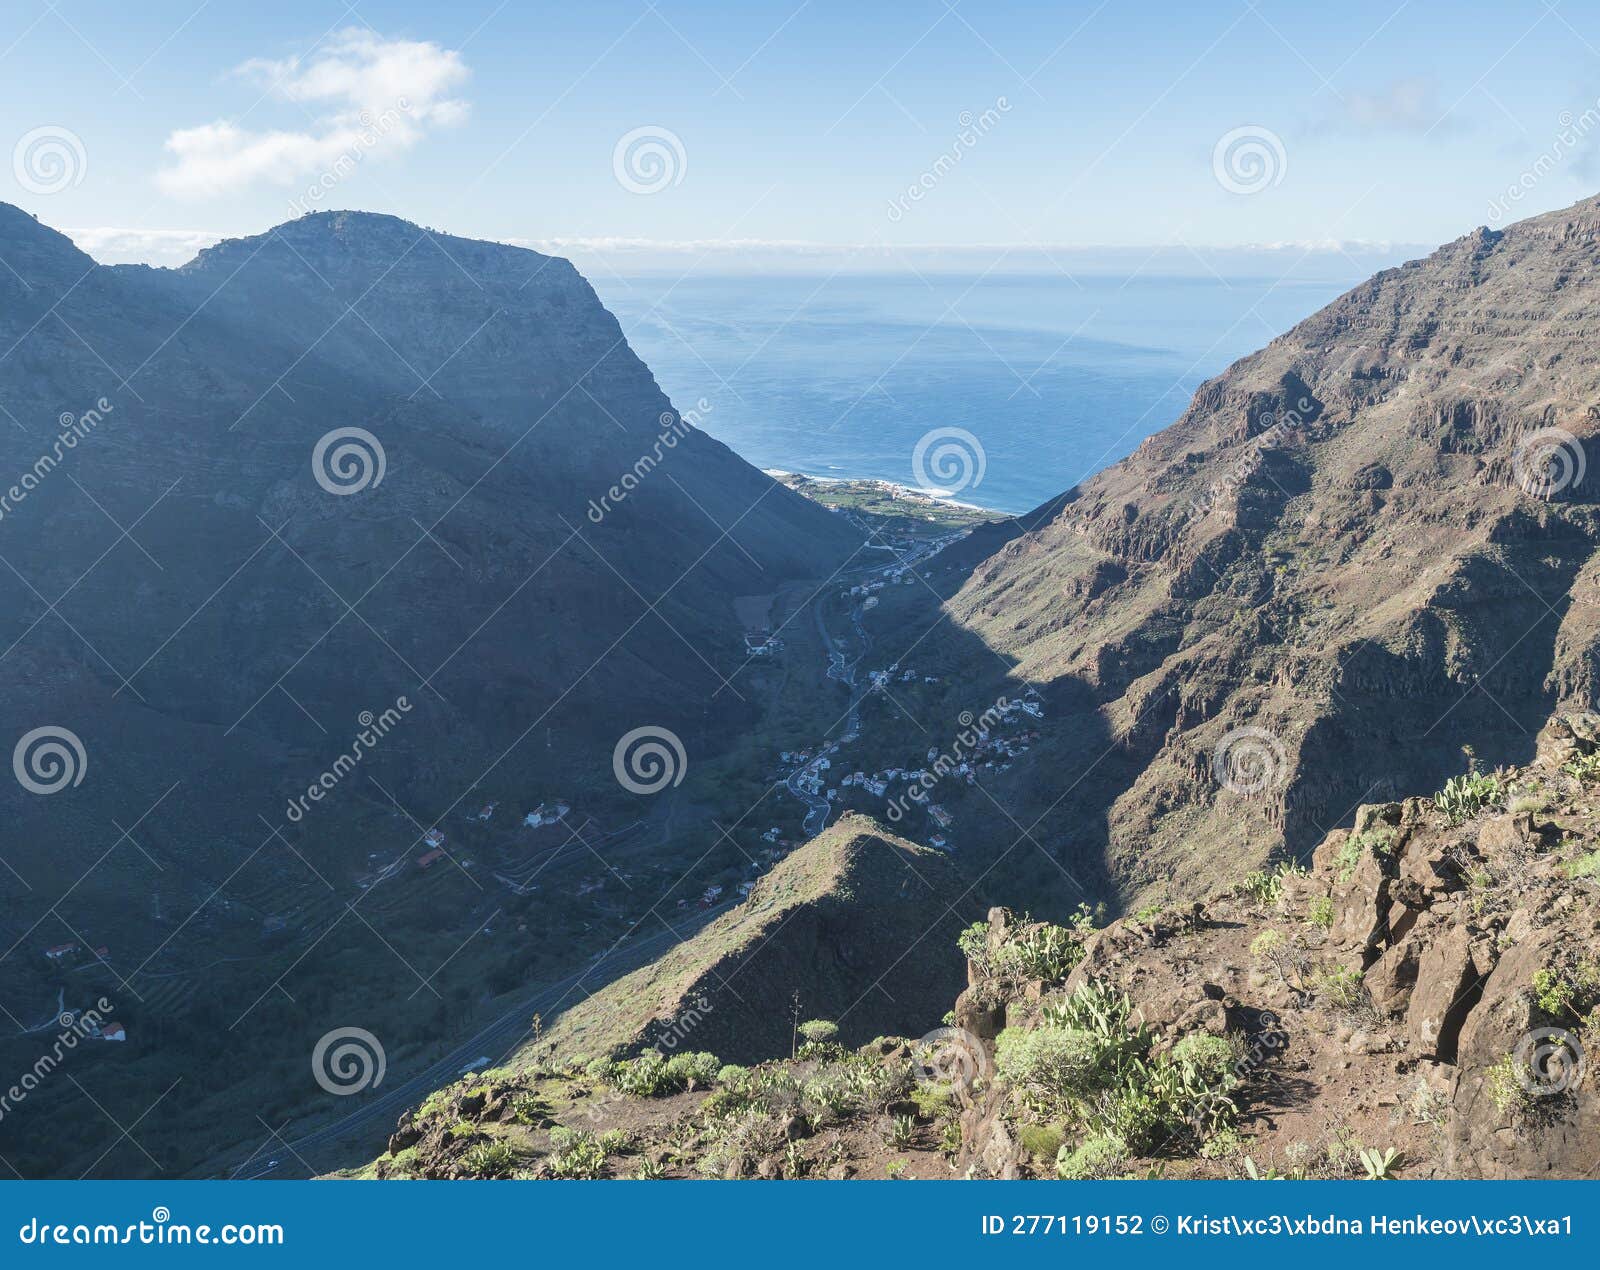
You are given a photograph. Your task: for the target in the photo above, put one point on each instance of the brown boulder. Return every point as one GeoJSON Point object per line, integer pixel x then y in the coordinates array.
{"type": "Point", "coordinates": [1510, 832]}
{"type": "Point", "coordinates": [1445, 992]}
{"type": "Point", "coordinates": [1361, 908]}
{"type": "Point", "coordinates": [1392, 977]}
{"type": "Point", "coordinates": [1554, 1133]}
{"type": "Point", "coordinates": [979, 1015]}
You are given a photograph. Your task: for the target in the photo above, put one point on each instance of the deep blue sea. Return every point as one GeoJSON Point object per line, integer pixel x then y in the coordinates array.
{"type": "Point", "coordinates": [841, 377]}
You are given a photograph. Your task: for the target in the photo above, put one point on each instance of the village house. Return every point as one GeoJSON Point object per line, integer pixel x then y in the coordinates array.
{"type": "Point", "coordinates": [113, 1032]}
{"type": "Point", "coordinates": [487, 814]}
{"type": "Point", "coordinates": [940, 816]}
{"type": "Point", "coordinates": [546, 814]}
{"type": "Point", "coordinates": [60, 951]}
{"type": "Point", "coordinates": [434, 838]}
{"type": "Point", "coordinates": [431, 858]}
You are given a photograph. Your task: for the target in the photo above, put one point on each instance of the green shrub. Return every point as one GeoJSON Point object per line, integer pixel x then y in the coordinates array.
{"type": "Point", "coordinates": [974, 942]}
{"type": "Point", "coordinates": [1554, 992]}
{"type": "Point", "coordinates": [575, 1154]}
{"type": "Point", "coordinates": [693, 1070]}
{"type": "Point", "coordinates": [1378, 842]}
{"type": "Point", "coordinates": [932, 1101]}
{"type": "Point", "coordinates": [1090, 1063]}
{"type": "Point", "coordinates": [1583, 767]}
{"type": "Point", "coordinates": [819, 1031]}
{"type": "Point", "coordinates": [1584, 866]}
{"type": "Point", "coordinates": [1320, 912]}
{"type": "Point", "coordinates": [1340, 985]}
{"type": "Point", "coordinates": [526, 1108]}
{"type": "Point", "coordinates": [1266, 887]}
{"type": "Point", "coordinates": [733, 1076]}
{"type": "Point", "coordinates": [1055, 1069]}
{"type": "Point", "coordinates": [489, 1159]}
{"type": "Point", "coordinates": [1042, 1141]}
{"type": "Point", "coordinates": [1094, 1007]}
{"type": "Point", "coordinates": [653, 1075]}
{"type": "Point", "coordinates": [1043, 952]}
{"type": "Point", "coordinates": [1094, 1159]}
{"type": "Point", "coordinates": [1504, 1083]}
{"type": "Point", "coordinates": [1463, 797]}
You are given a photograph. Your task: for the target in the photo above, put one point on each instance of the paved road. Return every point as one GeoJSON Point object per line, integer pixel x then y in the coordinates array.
{"type": "Point", "coordinates": [376, 1115]}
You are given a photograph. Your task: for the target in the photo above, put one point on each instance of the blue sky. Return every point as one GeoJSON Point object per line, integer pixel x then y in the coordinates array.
{"type": "Point", "coordinates": [796, 131]}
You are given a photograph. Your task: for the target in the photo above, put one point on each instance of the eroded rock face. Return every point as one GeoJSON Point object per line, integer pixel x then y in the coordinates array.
{"type": "Point", "coordinates": [1412, 1009]}
{"type": "Point", "coordinates": [1551, 1131]}
{"type": "Point", "coordinates": [1332, 545]}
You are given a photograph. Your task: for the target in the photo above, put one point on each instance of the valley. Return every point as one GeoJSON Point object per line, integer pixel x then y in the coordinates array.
{"type": "Point", "coordinates": [360, 760]}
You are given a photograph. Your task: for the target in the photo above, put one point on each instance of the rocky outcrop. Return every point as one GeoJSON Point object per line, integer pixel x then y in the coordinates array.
{"type": "Point", "coordinates": [1344, 540]}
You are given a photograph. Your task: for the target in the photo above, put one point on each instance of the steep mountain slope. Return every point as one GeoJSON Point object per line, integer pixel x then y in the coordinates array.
{"type": "Point", "coordinates": [1423, 1002]}
{"type": "Point", "coordinates": [525, 543]}
{"type": "Point", "coordinates": [831, 922]}
{"type": "Point", "coordinates": [1359, 546]}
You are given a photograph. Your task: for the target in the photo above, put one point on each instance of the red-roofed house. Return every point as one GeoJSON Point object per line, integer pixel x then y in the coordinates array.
{"type": "Point", "coordinates": [60, 951]}
{"type": "Point", "coordinates": [429, 860]}
{"type": "Point", "coordinates": [113, 1032]}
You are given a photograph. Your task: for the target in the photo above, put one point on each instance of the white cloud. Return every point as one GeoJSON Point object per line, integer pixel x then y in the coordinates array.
{"type": "Point", "coordinates": [362, 95]}
{"type": "Point", "coordinates": [114, 246]}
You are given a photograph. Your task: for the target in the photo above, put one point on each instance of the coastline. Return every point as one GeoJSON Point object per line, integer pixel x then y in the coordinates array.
{"type": "Point", "coordinates": [893, 489]}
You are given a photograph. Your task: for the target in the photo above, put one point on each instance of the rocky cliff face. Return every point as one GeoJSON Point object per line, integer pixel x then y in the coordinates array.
{"type": "Point", "coordinates": [1359, 545]}
{"type": "Point", "coordinates": [249, 506]}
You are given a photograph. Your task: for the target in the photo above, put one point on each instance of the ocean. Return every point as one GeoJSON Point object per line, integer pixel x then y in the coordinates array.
{"type": "Point", "coordinates": [1053, 379]}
